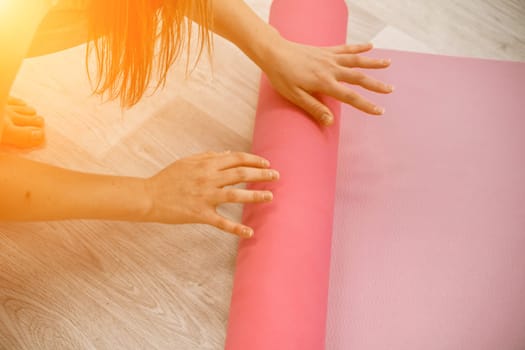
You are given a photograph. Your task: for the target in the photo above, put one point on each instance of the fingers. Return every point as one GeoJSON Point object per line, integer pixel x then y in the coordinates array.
{"type": "Point", "coordinates": [15, 101]}
{"type": "Point", "coordinates": [356, 77]}
{"type": "Point", "coordinates": [353, 49]}
{"type": "Point", "coordinates": [244, 174]}
{"type": "Point", "coordinates": [26, 120]}
{"type": "Point", "coordinates": [347, 59]}
{"type": "Point", "coordinates": [21, 114]}
{"type": "Point", "coordinates": [22, 137]}
{"type": "Point", "coordinates": [229, 226]}
{"type": "Point", "coordinates": [236, 195]}
{"type": "Point", "coordinates": [357, 61]}
{"type": "Point", "coordinates": [317, 110]}
{"type": "Point", "coordinates": [240, 159]}
{"type": "Point", "coordinates": [350, 97]}
{"type": "Point", "coordinates": [24, 110]}
{"type": "Point", "coordinates": [232, 195]}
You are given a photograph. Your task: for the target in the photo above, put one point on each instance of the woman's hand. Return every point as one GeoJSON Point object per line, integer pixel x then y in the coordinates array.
{"type": "Point", "coordinates": [298, 72]}
{"type": "Point", "coordinates": [189, 190]}
{"type": "Point", "coordinates": [23, 128]}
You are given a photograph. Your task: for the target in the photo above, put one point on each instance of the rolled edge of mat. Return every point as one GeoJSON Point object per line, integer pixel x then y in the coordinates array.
{"type": "Point", "coordinates": [279, 298]}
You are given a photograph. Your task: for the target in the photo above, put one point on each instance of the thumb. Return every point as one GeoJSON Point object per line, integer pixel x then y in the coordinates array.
{"type": "Point", "coordinates": [315, 108]}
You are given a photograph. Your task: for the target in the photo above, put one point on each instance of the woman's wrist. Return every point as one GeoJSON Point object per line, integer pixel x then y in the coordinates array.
{"type": "Point", "coordinates": [262, 48]}
{"type": "Point", "coordinates": [133, 202]}
{"type": "Point", "coordinates": [237, 22]}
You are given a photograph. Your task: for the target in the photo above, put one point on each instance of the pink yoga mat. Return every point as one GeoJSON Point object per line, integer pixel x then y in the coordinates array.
{"type": "Point", "coordinates": [428, 247]}
{"type": "Point", "coordinates": [281, 280]}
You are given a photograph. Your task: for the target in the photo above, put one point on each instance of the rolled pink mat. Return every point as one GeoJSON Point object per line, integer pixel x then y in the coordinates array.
{"type": "Point", "coordinates": [280, 291]}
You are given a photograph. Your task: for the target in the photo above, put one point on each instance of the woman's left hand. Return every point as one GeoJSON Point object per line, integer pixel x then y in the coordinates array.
{"type": "Point", "coordinates": [23, 128]}
{"type": "Point", "coordinates": [298, 72]}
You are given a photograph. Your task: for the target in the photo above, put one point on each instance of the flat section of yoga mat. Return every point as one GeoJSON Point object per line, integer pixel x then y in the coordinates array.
{"type": "Point", "coordinates": [281, 280]}
{"type": "Point", "coordinates": [429, 232]}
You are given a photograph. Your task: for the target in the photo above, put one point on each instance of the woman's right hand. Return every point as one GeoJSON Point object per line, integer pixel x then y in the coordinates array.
{"type": "Point", "coordinates": [190, 189]}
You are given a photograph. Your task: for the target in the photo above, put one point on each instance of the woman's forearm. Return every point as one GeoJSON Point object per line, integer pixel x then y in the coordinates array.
{"type": "Point", "coordinates": [235, 21]}
{"type": "Point", "coordinates": [32, 191]}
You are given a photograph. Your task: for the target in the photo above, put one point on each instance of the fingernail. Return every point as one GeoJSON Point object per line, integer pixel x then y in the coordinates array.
{"type": "Point", "coordinates": [228, 151]}
{"type": "Point", "coordinates": [275, 175]}
{"type": "Point", "coordinates": [387, 61]}
{"type": "Point", "coordinates": [327, 119]}
{"type": "Point", "coordinates": [246, 232]}
{"type": "Point", "coordinates": [37, 136]}
{"type": "Point", "coordinates": [268, 196]}
{"type": "Point", "coordinates": [379, 110]}
{"type": "Point", "coordinates": [392, 87]}
{"type": "Point", "coordinates": [266, 163]}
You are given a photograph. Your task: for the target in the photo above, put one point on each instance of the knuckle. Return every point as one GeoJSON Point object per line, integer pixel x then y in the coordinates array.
{"type": "Point", "coordinates": [295, 95]}
{"type": "Point", "coordinates": [321, 76]}
{"type": "Point", "coordinates": [350, 97]}
{"type": "Point", "coordinates": [196, 213]}
{"type": "Point", "coordinates": [357, 60]}
{"type": "Point", "coordinates": [231, 196]}
{"type": "Point", "coordinates": [258, 196]}
{"type": "Point", "coordinates": [324, 80]}
{"type": "Point", "coordinates": [351, 60]}
{"type": "Point", "coordinates": [358, 76]}
{"type": "Point", "coordinates": [242, 156]}
{"type": "Point", "coordinates": [328, 62]}
{"type": "Point", "coordinates": [242, 174]}
{"type": "Point", "coordinates": [334, 69]}
{"type": "Point", "coordinates": [221, 224]}
{"type": "Point", "coordinates": [209, 216]}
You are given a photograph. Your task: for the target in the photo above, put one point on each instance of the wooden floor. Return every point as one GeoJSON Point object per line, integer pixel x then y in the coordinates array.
{"type": "Point", "coordinates": [112, 285]}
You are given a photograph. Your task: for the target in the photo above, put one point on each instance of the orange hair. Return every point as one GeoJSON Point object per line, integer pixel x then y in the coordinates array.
{"type": "Point", "coordinates": [137, 40]}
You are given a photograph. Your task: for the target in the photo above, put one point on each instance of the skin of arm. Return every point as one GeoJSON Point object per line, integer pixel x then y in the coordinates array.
{"type": "Point", "coordinates": [35, 191]}
{"type": "Point", "coordinates": [235, 21]}
{"type": "Point", "coordinates": [187, 191]}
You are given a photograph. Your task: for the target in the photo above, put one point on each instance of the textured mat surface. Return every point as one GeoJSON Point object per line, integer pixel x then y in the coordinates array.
{"type": "Point", "coordinates": [429, 226]}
